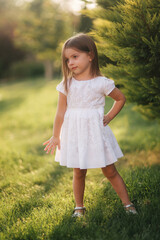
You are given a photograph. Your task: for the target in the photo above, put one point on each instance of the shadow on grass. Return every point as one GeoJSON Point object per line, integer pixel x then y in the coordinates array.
{"type": "Point", "coordinates": [24, 206]}
{"type": "Point", "coordinates": [10, 104]}
{"type": "Point", "coordinates": [138, 134]}
{"type": "Point", "coordinates": [106, 218]}
{"type": "Point", "coordinates": [53, 178]}
{"type": "Point", "coordinates": [36, 149]}
{"type": "Point", "coordinates": [24, 81]}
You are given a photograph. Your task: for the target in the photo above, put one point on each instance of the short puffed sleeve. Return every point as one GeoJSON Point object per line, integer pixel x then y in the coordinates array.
{"type": "Point", "coordinates": [108, 86]}
{"type": "Point", "coordinates": [61, 88]}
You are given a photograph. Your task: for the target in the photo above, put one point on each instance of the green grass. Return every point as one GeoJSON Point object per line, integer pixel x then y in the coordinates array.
{"type": "Point", "coordinates": [36, 195]}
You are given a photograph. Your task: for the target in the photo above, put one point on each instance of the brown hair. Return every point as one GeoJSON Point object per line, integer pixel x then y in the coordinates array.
{"type": "Point", "coordinates": [83, 43]}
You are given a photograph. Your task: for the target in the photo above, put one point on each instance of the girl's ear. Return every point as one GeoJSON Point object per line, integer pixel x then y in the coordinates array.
{"type": "Point", "coordinates": [91, 56]}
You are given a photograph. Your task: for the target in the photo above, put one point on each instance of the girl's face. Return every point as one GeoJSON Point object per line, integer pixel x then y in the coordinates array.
{"type": "Point", "coordinates": [79, 63]}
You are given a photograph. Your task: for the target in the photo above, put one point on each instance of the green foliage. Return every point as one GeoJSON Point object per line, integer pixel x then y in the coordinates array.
{"type": "Point", "coordinates": [33, 29]}
{"type": "Point", "coordinates": [36, 194]}
{"type": "Point", "coordinates": [8, 52]}
{"type": "Point", "coordinates": [128, 33]}
{"type": "Point", "coordinates": [85, 23]}
{"type": "Point", "coordinates": [26, 69]}
{"type": "Point", "coordinates": [106, 3]}
{"type": "Point", "coordinates": [42, 28]}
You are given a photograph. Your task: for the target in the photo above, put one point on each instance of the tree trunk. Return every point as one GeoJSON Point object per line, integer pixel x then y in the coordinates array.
{"type": "Point", "coordinates": [48, 66]}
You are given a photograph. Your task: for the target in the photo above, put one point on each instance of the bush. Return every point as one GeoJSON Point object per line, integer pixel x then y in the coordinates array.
{"type": "Point", "coordinates": [26, 69]}
{"type": "Point", "coordinates": [128, 33]}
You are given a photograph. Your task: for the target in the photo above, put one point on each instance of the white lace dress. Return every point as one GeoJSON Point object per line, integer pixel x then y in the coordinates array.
{"type": "Point", "coordinates": [84, 141]}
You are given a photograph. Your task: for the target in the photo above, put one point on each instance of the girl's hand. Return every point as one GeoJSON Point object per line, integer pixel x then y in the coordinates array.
{"type": "Point", "coordinates": [51, 144]}
{"type": "Point", "coordinates": [106, 120]}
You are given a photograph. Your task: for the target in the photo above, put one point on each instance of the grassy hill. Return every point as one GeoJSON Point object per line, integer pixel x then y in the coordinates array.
{"type": "Point", "coordinates": [36, 195]}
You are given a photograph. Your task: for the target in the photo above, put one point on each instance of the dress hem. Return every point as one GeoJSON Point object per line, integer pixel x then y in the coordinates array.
{"type": "Point", "coordinates": [64, 165]}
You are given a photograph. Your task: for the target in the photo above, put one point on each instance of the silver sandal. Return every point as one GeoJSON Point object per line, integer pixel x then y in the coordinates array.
{"type": "Point", "coordinates": [78, 214]}
{"type": "Point", "coordinates": [133, 211]}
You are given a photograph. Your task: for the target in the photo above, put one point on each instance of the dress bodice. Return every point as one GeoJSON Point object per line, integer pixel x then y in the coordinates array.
{"type": "Point", "coordinates": [87, 93]}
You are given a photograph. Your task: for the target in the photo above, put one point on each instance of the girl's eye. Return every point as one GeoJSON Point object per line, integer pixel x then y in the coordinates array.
{"type": "Point", "coordinates": [75, 56]}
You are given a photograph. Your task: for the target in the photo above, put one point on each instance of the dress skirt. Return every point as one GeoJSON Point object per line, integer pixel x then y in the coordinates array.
{"type": "Point", "coordinates": [85, 142]}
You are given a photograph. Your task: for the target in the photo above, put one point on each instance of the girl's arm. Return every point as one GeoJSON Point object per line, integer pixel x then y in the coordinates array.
{"type": "Point", "coordinates": [120, 100]}
{"type": "Point", "coordinates": [61, 109]}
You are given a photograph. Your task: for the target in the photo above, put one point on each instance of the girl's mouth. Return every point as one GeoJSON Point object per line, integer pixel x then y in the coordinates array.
{"type": "Point", "coordinates": [74, 68]}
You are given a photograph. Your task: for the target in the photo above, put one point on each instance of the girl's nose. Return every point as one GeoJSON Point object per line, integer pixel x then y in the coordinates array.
{"type": "Point", "coordinates": [70, 62]}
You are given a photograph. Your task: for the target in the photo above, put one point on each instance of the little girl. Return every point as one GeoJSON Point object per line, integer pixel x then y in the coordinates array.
{"type": "Point", "coordinates": [81, 132]}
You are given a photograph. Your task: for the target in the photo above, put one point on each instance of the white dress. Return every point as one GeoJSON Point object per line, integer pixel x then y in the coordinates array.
{"type": "Point", "coordinates": [84, 141]}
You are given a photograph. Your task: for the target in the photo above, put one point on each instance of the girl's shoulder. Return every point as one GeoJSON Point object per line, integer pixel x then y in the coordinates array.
{"type": "Point", "coordinates": [106, 84]}
{"type": "Point", "coordinates": [61, 87]}
{"type": "Point", "coordinates": [104, 80]}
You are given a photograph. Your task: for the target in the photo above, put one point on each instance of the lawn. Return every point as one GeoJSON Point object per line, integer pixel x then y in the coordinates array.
{"type": "Point", "coordinates": [36, 195]}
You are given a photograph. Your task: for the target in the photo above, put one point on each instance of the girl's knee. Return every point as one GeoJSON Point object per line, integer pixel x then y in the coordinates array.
{"type": "Point", "coordinates": [79, 173]}
{"type": "Point", "coordinates": [109, 171]}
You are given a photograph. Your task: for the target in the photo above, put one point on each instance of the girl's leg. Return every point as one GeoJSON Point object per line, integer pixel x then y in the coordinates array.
{"type": "Point", "coordinates": [79, 186]}
{"type": "Point", "coordinates": [117, 182]}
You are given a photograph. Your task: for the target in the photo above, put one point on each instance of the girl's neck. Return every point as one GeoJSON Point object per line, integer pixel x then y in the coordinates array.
{"type": "Point", "coordinates": [84, 77]}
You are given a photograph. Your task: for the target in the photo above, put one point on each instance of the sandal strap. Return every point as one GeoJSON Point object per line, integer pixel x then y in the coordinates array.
{"type": "Point", "coordinates": [129, 205]}
{"type": "Point", "coordinates": [79, 208]}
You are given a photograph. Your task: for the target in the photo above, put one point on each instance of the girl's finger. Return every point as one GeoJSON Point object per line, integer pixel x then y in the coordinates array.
{"type": "Point", "coordinates": [46, 142]}
{"type": "Point", "coordinates": [52, 150]}
{"type": "Point", "coordinates": [49, 149]}
{"type": "Point", "coordinates": [48, 146]}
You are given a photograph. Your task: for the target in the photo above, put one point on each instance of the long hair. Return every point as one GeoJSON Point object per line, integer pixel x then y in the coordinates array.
{"type": "Point", "coordinates": [83, 43]}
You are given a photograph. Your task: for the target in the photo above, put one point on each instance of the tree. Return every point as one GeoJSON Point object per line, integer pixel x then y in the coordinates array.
{"type": "Point", "coordinates": [85, 23]}
{"type": "Point", "coordinates": [42, 28]}
{"type": "Point", "coordinates": [128, 33]}
{"type": "Point", "coordinates": [8, 52]}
